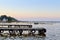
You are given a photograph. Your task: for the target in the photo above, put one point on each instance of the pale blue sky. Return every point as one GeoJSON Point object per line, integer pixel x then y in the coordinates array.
{"type": "Point", "coordinates": [30, 8]}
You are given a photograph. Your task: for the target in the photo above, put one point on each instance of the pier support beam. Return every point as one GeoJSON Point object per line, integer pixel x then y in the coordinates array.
{"type": "Point", "coordinates": [1, 31]}
{"type": "Point", "coordinates": [11, 32]}
{"type": "Point", "coordinates": [41, 31]}
{"type": "Point", "coordinates": [20, 32]}
{"type": "Point", "coordinates": [9, 26]}
{"type": "Point", "coordinates": [31, 32]}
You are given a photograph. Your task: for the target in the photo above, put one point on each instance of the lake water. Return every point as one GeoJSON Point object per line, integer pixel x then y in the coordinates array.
{"type": "Point", "coordinates": [53, 33]}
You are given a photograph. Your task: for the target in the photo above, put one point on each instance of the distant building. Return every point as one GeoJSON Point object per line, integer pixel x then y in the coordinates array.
{"type": "Point", "coordinates": [4, 20]}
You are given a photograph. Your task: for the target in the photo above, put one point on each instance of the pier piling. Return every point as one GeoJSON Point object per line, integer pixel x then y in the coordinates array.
{"type": "Point", "coordinates": [20, 32]}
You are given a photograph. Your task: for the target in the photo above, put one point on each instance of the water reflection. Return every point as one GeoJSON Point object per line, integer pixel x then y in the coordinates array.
{"type": "Point", "coordinates": [22, 38]}
{"type": "Point", "coordinates": [53, 33]}
{"type": "Point", "coordinates": [31, 37]}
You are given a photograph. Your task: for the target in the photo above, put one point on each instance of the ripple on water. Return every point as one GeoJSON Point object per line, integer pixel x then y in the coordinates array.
{"type": "Point", "coordinates": [22, 38]}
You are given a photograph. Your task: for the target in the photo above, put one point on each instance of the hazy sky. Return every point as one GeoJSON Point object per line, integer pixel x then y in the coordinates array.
{"type": "Point", "coordinates": [30, 8]}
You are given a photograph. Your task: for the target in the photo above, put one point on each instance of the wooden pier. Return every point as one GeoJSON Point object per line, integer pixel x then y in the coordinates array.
{"type": "Point", "coordinates": [12, 28]}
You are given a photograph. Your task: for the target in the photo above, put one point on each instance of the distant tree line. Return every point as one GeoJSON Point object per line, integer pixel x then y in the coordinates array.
{"type": "Point", "coordinates": [7, 18]}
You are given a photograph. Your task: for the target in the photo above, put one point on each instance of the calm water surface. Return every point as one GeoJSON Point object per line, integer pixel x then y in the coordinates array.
{"type": "Point", "coordinates": [53, 33]}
